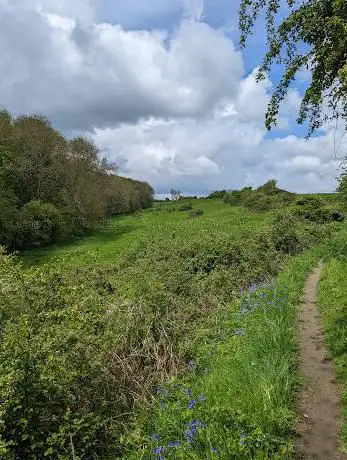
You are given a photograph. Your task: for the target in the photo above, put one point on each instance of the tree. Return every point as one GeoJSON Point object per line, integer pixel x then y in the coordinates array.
{"type": "Point", "coordinates": [312, 36]}
{"type": "Point", "coordinates": [175, 194]}
{"type": "Point", "coordinates": [52, 188]}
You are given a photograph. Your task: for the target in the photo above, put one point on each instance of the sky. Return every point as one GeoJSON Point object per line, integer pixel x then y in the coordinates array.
{"type": "Point", "coordinates": [163, 89]}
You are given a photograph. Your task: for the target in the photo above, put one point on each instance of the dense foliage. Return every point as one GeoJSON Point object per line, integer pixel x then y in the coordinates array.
{"type": "Point", "coordinates": [270, 197]}
{"type": "Point", "coordinates": [81, 348]}
{"type": "Point", "coordinates": [52, 188]}
{"type": "Point", "coordinates": [306, 35]}
{"type": "Point", "coordinates": [264, 198]}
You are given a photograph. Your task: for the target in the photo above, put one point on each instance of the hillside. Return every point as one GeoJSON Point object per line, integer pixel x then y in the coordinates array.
{"type": "Point", "coordinates": [151, 335]}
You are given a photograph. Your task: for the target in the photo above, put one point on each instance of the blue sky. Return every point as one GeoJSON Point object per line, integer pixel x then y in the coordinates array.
{"type": "Point", "coordinates": [163, 89]}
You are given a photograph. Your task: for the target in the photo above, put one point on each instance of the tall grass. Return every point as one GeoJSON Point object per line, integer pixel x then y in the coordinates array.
{"type": "Point", "coordinates": [332, 299]}
{"type": "Point", "coordinates": [238, 398]}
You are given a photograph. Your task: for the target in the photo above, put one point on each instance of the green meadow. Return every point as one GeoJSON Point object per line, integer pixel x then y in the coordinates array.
{"type": "Point", "coordinates": [118, 234]}
{"type": "Point", "coordinates": [167, 333]}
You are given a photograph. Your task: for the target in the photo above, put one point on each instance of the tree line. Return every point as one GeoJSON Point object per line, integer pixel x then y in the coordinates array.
{"type": "Point", "coordinates": [53, 188]}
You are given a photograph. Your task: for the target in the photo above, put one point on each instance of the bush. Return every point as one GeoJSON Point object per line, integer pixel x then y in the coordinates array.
{"type": "Point", "coordinates": [219, 194]}
{"type": "Point", "coordinates": [314, 212]}
{"type": "Point", "coordinates": [196, 213]}
{"type": "Point", "coordinates": [186, 207]}
{"type": "Point", "coordinates": [311, 201]}
{"type": "Point", "coordinates": [41, 224]}
{"type": "Point", "coordinates": [285, 233]}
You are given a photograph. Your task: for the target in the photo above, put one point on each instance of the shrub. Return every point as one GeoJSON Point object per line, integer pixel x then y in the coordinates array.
{"type": "Point", "coordinates": [285, 232]}
{"type": "Point", "coordinates": [317, 213]}
{"type": "Point", "coordinates": [218, 194]}
{"type": "Point", "coordinates": [186, 207]}
{"type": "Point", "coordinates": [196, 213]}
{"type": "Point", "coordinates": [41, 224]}
{"type": "Point", "coordinates": [311, 201]}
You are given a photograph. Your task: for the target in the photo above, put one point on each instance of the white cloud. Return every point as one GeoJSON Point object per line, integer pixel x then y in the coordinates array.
{"type": "Point", "coordinates": [171, 108]}
{"type": "Point", "coordinates": [219, 151]}
{"type": "Point", "coordinates": [89, 75]}
{"type": "Point", "coordinates": [194, 9]}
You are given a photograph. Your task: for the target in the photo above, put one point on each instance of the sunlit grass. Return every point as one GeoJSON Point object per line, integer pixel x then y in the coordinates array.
{"type": "Point", "coordinates": [237, 401]}
{"type": "Point", "coordinates": [115, 236]}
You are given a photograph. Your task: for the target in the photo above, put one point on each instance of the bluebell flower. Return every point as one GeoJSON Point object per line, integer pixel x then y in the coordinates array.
{"type": "Point", "coordinates": [202, 397]}
{"type": "Point", "coordinates": [158, 450]}
{"type": "Point", "coordinates": [174, 444]}
{"type": "Point", "coordinates": [214, 450]}
{"type": "Point", "coordinates": [196, 423]}
{"type": "Point", "coordinates": [162, 391]}
{"type": "Point", "coordinates": [155, 437]}
{"type": "Point", "coordinates": [189, 392]}
{"type": "Point", "coordinates": [190, 435]}
{"type": "Point", "coordinates": [192, 403]}
{"type": "Point", "coordinates": [253, 287]}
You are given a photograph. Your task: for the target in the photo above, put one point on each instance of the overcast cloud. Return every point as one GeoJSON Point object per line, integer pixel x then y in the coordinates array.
{"type": "Point", "coordinates": [173, 108]}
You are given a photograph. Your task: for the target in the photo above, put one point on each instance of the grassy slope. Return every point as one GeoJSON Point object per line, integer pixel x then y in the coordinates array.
{"type": "Point", "coordinates": [121, 233]}
{"type": "Point", "coordinates": [242, 386]}
{"type": "Point", "coordinates": [333, 305]}
{"type": "Point", "coordinates": [244, 368]}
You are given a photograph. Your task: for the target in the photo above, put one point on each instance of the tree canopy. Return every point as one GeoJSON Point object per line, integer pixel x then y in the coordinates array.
{"type": "Point", "coordinates": [52, 188]}
{"type": "Point", "coordinates": [312, 35]}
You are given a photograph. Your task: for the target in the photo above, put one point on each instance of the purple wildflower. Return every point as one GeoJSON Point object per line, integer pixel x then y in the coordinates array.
{"type": "Point", "coordinates": [158, 450]}
{"type": "Point", "coordinates": [189, 392]}
{"type": "Point", "coordinates": [214, 450]}
{"type": "Point", "coordinates": [174, 444]}
{"type": "Point", "coordinates": [155, 437]}
{"type": "Point", "coordinates": [162, 391]}
{"type": "Point", "coordinates": [253, 287]}
{"type": "Point", "coordinates": [192, 403]}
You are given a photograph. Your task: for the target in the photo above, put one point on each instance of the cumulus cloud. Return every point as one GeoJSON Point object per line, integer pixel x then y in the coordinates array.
{"type": "Point", "coordinates": [221, 150]}
{"type": "Point", "coordinates": [96, 75]}
{"type": "Point", "coordinates": [194, 9]}
{"type": "Point", "coordinates": [173, 108]}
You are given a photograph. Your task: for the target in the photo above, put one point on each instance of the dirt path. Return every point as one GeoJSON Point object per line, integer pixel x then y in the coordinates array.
{"type": "Point", "coordinates": [319, 417]}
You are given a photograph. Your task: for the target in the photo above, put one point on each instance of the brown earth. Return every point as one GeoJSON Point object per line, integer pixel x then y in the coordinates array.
{"type": "Point", "coordinates": [318, 421]}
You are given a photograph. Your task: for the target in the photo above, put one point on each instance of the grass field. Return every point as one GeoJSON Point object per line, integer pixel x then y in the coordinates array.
{"type": "Point", "coordinates": [160, 335]}
{"type": "Point", "coordinates": [119, 234]}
